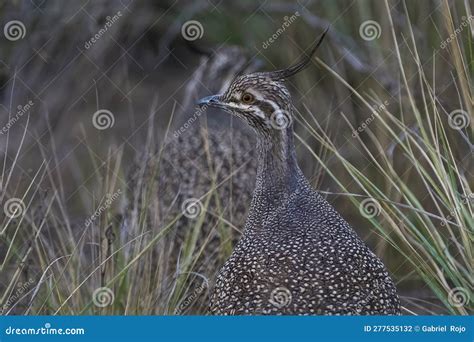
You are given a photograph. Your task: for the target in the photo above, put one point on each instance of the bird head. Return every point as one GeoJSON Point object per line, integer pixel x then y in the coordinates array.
{"type": "Point", "coordinates": [261, 99]}
{"type": "Point", "coordinates": [217, 68]}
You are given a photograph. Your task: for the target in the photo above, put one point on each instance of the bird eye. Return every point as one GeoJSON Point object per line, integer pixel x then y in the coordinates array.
{"type": "Point", "coordinates": [247, 98]}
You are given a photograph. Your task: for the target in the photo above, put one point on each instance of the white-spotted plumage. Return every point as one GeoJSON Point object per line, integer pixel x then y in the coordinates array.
{"type": "Point", "coordinates": [297, 255]}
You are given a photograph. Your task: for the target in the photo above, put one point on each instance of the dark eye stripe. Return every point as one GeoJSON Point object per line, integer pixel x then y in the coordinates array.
{"type": "Point", "coordinates": [265, 107]}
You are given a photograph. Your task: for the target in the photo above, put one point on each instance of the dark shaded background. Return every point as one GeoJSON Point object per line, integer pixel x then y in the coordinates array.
{"type": "Point", "coordinates": [139, 68]}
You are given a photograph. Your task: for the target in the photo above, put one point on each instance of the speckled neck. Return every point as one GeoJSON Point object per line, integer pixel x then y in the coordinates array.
{"type": "Point", "coordinates": [278, 173]}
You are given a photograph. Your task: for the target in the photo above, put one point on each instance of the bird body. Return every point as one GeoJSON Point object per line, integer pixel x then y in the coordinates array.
{"type": "Point", "coordinates": [297, 255]}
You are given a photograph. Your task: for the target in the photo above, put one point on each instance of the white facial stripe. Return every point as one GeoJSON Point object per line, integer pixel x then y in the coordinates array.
{"type": "Point", "coordinates": [256, 110]}
{"type": "Point", "coordinates": [273, 104]}
{"type": "Point", "coordinates": [259, 113]}
{"type": "Point", "coordinates": [239, 106]}
{"type": "Point", "coordinates": [255, 94]}
{"type": "Point", "coordinates": [259, 97]}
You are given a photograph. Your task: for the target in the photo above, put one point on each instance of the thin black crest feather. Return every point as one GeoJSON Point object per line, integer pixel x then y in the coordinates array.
{"type": "Point", "coordinates": [298, 66]}
{"type": "Point", "coordinates": [292, 70]}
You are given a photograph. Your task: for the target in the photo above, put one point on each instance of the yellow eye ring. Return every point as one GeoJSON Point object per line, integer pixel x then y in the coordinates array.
{"type": "Point", "coordinates": [248, 98]}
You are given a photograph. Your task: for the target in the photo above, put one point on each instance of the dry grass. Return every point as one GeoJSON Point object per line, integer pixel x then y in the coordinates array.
{"type": "Point", "coordinates": [403, 155]}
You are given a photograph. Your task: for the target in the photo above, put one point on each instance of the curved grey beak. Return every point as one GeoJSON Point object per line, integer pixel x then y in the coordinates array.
{"type": "Point", "coordinates": [209, 101]}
